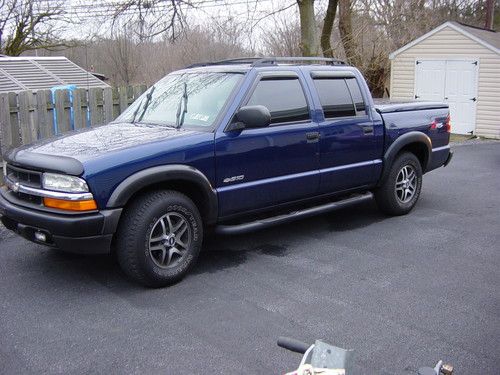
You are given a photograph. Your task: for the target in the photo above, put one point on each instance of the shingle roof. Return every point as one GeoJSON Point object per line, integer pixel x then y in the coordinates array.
{"type": "Point", "coordinates": [491, 37]}
{"type": "Point", "coordinates": [488, 38]}
{"type": "Point", "coordinates": [37, 73]}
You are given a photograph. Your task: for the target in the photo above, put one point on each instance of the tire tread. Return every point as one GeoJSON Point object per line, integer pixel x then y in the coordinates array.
{"type": "Point", "coordinates": [384, 195]}
{"type": "Point", "coordinates": [134, 217]}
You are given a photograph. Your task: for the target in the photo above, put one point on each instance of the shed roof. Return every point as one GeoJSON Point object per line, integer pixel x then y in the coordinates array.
{"type": "Point", "coordinates": [488, 38]}
{"type": "Point", "coordinates": [38, 73]}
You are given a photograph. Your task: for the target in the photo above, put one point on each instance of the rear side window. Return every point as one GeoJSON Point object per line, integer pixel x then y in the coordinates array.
{"type": "Point", "coordinates": [284, 98]}
{"type": "Point", "coordinates": [340, 97]}
{"type": "Point", "coordinates": [359, 103]}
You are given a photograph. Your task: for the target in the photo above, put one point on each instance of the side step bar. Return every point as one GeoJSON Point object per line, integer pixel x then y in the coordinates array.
{"type": "Point", "coordinates": [280, 219]}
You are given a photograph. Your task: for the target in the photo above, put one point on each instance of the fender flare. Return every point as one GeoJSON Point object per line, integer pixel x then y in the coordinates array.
{"type": "Point", "coordinates": [399, 144]}
{"type": "Point", "coordinates": [164, 173]}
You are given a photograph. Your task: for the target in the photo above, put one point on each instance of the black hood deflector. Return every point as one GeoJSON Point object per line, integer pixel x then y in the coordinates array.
{"type": "Point", "coordinates": [44, 162]}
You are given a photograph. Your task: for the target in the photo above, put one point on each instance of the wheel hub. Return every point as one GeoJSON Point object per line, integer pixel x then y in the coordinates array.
{"type": "Point", "coordinates": [169, 240]}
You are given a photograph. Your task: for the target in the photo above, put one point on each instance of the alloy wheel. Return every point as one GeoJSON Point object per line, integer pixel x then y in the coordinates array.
{"type": "Point", "coordinates": [406, 184]}
{"type": "Point", "coordinates": [169, 240]}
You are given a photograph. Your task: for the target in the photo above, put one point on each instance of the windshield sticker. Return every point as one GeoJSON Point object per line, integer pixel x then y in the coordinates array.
{"type": "Point", "coordinates": [199, 117]}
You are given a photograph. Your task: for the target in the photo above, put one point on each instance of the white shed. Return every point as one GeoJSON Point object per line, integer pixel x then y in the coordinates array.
{"type": "Point", "coordinates": [457, 64]}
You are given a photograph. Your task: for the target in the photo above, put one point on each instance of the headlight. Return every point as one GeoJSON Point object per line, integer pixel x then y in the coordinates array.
{"type": "Point", "coordinates": [61, 182]}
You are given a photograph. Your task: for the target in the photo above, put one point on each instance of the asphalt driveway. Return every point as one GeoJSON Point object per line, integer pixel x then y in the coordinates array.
{"type": "Point", "coordinates": [403, 292]}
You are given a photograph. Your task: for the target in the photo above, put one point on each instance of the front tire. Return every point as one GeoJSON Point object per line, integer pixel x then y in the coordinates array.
{"type": "Point", "coordinates": [401, 189]}
{"type": "Point", "coordinates": [160, 238]}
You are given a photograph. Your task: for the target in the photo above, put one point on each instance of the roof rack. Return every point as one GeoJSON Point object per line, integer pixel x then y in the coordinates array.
{"type": "Point", "coordinates": [266, 61]}
{"type": "Point", "coordinates": [238, 61]}
{"type": "Point", "coordinates": [301, 59]}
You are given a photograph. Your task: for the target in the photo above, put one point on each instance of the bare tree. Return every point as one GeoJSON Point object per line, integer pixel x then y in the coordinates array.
{"type": "Point", "coordinates": [346, 33]}
{"type": "Point", "coordinates": [122, 53]}
{"type": "Point", "coordinates": [284, 40]}
{"type": "Point", "coordinates": [308, 34]}
{"type": "Point", "coordinates": [152, 18]}
{"type": "Point", "coordinates": [326, 32]}
{"type": "Point", "coordinates": [128, 61]}
{"type": "Point", "coordinates": [30, 25]}
{"type": "Point", "coordinates": [403, 20]}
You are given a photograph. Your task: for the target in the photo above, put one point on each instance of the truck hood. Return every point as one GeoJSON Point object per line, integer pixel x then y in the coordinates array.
{"type": "Point", "coordinates": [67, 153]}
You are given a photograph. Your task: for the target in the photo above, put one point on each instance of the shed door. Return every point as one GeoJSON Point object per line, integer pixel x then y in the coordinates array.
{"type": "Point", "coordinates": [431, 79]}
{"type": "Point", "coordinates": [460, 94]}
{"type": "Point", "coordinates": [453, 82]}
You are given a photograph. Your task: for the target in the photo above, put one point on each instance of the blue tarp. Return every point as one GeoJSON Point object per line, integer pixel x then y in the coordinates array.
{"type": "Point", "coordinates": [71, 89]}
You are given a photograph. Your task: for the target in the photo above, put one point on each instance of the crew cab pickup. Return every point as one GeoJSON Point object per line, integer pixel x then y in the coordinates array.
{"type": "Point", "coordinates": [229, 147]}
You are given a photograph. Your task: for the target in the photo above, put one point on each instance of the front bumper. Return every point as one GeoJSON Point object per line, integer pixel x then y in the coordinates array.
{"type": "Point", "coordinates": [83, 233]}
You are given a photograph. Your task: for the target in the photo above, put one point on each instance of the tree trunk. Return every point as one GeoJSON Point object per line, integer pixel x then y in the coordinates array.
{"type": "Point", "coordinates": [308, 37]}
{"type": "Point", "coordinates": [326, 33]}
{"type": "Point", "coordinates": [490, 14]}
{"type": "Point", "coordinates": [346, 35]}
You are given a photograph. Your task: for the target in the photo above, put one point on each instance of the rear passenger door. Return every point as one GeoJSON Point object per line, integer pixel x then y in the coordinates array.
{"type": "Point", "coordinates": [261, 168]}
{"type": "Point", "coordinates": [350, 142]}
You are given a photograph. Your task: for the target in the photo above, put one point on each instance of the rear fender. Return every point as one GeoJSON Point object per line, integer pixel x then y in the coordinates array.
{"type": "Point", "coordinates": [410, 138]}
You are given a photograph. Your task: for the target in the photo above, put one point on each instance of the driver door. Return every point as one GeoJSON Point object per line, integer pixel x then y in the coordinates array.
{"type": "Point", "coordinates": [263, 167]}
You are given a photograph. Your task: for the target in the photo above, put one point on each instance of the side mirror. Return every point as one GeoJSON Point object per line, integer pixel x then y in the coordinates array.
{"type": "Point", "coordinates": [252, 116]}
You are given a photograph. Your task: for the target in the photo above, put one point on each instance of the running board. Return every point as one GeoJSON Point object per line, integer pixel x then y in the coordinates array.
{"type": "Point", "coordinates": [280, 219]}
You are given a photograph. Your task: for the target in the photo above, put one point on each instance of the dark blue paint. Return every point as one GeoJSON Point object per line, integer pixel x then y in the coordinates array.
{"type": "Point", "coordinates": [277, 163]}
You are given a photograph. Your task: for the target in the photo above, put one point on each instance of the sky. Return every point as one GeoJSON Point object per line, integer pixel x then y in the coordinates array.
{"type": "Point", "coordinates": [254, 13]}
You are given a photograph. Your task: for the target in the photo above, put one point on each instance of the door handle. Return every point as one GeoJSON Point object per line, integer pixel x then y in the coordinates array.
{"type": "Point", "coordinates": [312, 137]}
{"type": "Point", "coordinates": [367, 129]}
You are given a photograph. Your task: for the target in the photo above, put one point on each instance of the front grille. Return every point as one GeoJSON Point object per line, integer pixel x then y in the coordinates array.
{"type": "Point", "coordinates": [28, 198]}
{"type": "Point", "coordinates": [25, 177]}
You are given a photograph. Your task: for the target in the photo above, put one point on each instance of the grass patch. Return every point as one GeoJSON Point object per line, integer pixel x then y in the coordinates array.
{"type": "Point", "coordinates": [461, 137]}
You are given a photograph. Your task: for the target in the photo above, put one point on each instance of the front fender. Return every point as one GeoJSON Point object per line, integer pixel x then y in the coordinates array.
{"type": "Point", "coordinates": [174, 172]}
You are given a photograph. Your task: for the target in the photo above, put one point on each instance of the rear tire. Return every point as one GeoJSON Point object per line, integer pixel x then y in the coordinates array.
{"type": "Point", "coordinates": [159, 238]}
{"type": "Point", "coordinates": [401, 189]}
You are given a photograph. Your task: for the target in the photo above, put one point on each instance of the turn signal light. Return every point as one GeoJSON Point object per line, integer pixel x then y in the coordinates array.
{"type": "Point", "coordinates": [87, 205]}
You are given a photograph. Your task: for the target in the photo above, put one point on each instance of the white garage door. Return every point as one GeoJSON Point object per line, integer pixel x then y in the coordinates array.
{"type": "Point", "coordinates": [453, 82]}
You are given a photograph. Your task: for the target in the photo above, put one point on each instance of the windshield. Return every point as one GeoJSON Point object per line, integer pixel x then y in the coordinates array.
{"type": "Point", "coordinates": [201, 97]}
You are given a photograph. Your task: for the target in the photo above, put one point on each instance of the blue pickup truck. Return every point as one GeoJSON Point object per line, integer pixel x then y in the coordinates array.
{"type": "Point", "coordinates": [224, 147]}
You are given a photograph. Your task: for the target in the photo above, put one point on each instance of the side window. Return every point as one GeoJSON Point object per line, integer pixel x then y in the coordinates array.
{"type": "Point", "coordinates": [340, 97]}
{"type": "Point", "coordinates": [356, 96]}
{"type": "Point", "coordinates": [283, 97]}
{"type": "Point", "coordinates": [335, 97]}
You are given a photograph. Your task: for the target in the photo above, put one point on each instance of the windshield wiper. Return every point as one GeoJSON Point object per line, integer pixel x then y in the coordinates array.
{"type": "Point", "coordinates": [149, 95]}
{"type": "Point", "coordinates": [179, 118]}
